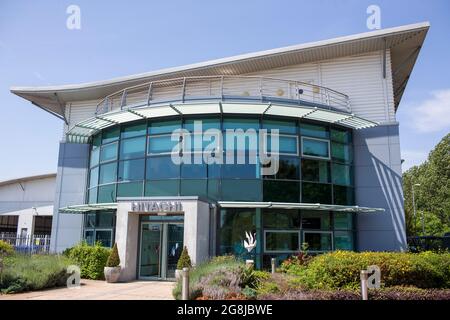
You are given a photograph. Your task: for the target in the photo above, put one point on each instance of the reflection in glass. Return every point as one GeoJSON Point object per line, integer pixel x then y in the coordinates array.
{"type": "Point", "coordinates": [283, 241]}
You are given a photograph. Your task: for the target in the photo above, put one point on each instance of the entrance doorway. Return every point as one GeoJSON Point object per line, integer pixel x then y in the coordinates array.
{"type": "Point", "coordinates": [161, 244]}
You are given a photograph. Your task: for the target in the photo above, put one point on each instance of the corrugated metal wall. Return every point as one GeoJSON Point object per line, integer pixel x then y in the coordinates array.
{"type": "Point", "coordinates": [360, 77]}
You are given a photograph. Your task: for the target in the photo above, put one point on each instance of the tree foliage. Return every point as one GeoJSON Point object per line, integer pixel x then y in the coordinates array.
{"type": "Point", "coordinates": [432, 197]}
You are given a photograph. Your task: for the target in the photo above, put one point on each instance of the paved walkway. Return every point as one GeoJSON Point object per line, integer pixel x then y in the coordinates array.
{"type": "Point", "coordinates": [100, 290]}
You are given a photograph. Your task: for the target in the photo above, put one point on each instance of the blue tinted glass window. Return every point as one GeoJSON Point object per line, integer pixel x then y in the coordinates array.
{"type": "Point", "coordinates": [162, 168]}
{"type": "Point", "coordinates": [93, 178]}
{"type": "Point", "coordinates": [342, 174]}
{"type": "Point", "coordinates": [341, 152]}
{"type": "Point", "coordinates": [95, 157]}
{"type": "Point", "coordinates": [242, 190]}
{"type": "Point", "coordinates": [193, 171]}
{"type": "Point", "coordinates": [161, 188]}
{"type": "Point", "coordinates": [108, 152]}
{"type": "Point", "coordinates": [243, 124]}
{"type": "Point", "coordinates": [107, 193]}
{"type": "Point", "coordinates": [205, 124]}
{"type": "Point", "coordinates": [289, 127]}
{"type": "Point", "coordinates": [131, 170]}
{"type": "Point", "coordinates": [286, 144]}
{"type": "Point", "coordinates": [134, 130]}
{"type": "Point", "coordinates": [315, 148]}
{"type": "Point", "coordinates": [164, 127]}
{"type": "Point", "coordinates": [343, 136]}
{"type": "Point", "coordinates": [313, 130]}
{"type": "Point", "coordinates": [93, 195]}
{"type": "Point", "coordinates": [314, 170]}
{"type": "Point", "coordinates": [108, 173]}
{"type": "Point", "coordinates": [110, 135]}
{"type": "Point", "coordinates": [132, 148]}
{"type": "Point", "coordinates": [241, 140]}
{"type": "Point", "coordinates": [161, 144]}
{"type": "Point", "coordinates": [130, 189]}
{"type": "Point", "coordinates": [194, 187]}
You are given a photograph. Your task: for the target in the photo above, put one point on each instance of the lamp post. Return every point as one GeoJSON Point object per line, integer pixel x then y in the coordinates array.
{"type": "Point", "coordinates": [414, 202]}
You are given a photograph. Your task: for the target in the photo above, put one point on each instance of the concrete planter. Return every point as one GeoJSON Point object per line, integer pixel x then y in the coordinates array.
{"type": "Point", "coordinates": [112, 274]}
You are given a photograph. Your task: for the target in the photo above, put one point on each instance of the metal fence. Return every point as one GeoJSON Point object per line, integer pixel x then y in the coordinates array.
{"type": "Point", "coordinates": [29, 244]}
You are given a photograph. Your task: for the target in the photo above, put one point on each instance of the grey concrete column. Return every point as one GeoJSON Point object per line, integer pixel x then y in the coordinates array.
{"type": "Point", "coordinates": [127, 232]}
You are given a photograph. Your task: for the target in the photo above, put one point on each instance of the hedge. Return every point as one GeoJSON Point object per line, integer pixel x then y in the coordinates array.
{"type": "Point", "coordinates": [90, 259]}
{"type": "Point", "coordinates": [341, 269]}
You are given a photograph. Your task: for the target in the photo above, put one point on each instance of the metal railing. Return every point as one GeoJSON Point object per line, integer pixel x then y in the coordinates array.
{"type": "Point", "coordinates": [223, 88]}
{"type": "Point", "coordinates": [29, 244]}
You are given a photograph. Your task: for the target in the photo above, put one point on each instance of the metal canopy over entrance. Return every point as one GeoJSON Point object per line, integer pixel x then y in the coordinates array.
{"type": "Point", "coordinates": [239, 204]}
{"type": "Point", "coordinates": [82, 131]}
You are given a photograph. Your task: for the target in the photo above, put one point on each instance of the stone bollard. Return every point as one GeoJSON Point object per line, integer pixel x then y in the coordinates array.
{"type": "Point", "coordinates": [249, 263]}
{"type": "Point", "coordinates": [364, 284]}
{"type": "Point", "coordinates": [273, 261]}
{"type": "Point", "coordinates": [185, 284]}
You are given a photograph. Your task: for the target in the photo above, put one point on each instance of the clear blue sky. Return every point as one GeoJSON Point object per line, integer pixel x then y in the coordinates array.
{"type": "Point", "coordinates": [129, 37]}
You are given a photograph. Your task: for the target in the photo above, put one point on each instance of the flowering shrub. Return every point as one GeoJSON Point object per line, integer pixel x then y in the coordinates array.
{"type": "Point", "coordinates": [341, 269]}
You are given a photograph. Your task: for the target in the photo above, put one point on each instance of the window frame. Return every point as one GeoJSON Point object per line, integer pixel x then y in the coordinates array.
{"type": "Point", "coordinates": [282, 231]}
{"type": "Point", "coordinates": [315, 157]}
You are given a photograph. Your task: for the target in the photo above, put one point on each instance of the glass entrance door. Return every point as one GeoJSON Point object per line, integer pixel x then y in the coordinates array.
{"type": "Point", "coordinates": [160, 248]}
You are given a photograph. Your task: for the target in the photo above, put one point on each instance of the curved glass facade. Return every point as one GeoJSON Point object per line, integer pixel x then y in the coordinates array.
{"type": "Point", "coordinates": [134, 160]}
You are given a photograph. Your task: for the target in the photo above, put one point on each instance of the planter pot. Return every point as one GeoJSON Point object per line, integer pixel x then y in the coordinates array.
{"type": "Point", "coordinates": [112, 274]}
{"type": "Point", "coordinates": [178, 274]}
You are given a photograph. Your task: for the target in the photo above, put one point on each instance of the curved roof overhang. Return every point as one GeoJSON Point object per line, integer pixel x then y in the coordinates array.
{"type": "Point", "coordinates": [238, 204]}
{"type": "Point", "coordinates": [82, 131]}
{"type": "Point", "coordinates": [404, 43]}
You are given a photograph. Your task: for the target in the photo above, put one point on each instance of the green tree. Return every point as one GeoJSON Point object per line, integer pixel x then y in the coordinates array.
{"type": "Point", "coordinates": [432, 197]}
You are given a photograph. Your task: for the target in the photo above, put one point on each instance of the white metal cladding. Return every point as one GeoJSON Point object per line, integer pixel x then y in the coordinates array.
{"type": "Point", "coordinates": [81, 132]}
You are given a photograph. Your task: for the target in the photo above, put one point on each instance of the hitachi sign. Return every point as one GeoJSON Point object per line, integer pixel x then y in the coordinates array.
{"type": "Point", "coordinates": [156, 206]}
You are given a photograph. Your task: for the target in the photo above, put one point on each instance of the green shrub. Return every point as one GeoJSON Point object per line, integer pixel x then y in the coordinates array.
{"type": "Point", "coordinates": [341, 269]}
{"type": "Point", "coordinates": [35, 272]}
{"type": "Point", "coordinates": [185, 260]}
{"type": "Point", "coordinates": [5, 249]}
{"type": "Point", "coordinates": [113, 259]}
{"type": "Point", "coordinates": [90, 259]}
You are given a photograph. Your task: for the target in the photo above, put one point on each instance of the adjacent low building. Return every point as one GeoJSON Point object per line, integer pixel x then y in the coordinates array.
{"type": "Point", "coordinates": [326, 112]}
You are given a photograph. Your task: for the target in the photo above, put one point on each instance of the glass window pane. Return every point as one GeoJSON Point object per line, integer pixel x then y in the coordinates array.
{"type": "Point", "coordinates": [281, 191]}
{"type": "Point", "coordinates": [93, 178]}
{"type": "Point", "coordinates": [281, 241]}
{"type": "Point", "coordinates": [314, 170]}
{"type": "Point", "coordinates": [93, 195]}
{"type": "Point", "coordinates": [286, 144]}
{"type": "Point", "coordinates": [194, 171]}
{"type": "Point", "coordinates": [343, 240]}
{"type": "Point", "coordinates": [205, 124]}
{"type": "Point", "coordinates": [243, 124]}
{"type": "Point", "coordinates": [107, 193]}
{"type": "Point", "coordinates": [95, 157]}
{"type": "Point", "coordinates": [164, 126]}
{"type": "Point", "coordinates": [317, 220]}
{"type": "Point", "coordinates": [108, 152]}
{"type": "Point", "coordinates": [318, 241]}
{"type": "Point", "coordinates": [134, 130]}
{"type": "Point", "coordinates": [241, 171]}
{"type": "Point", "coordinates": [162, 144]}
{"type": "Point", "coordinates": [130, 189]}
{"type": "Point", "coordinates": [316, 193]}
{"type": "Point", "coordinates": [214, 189]}
{"type": "Point", "coordinates": [110, 135]}
{"type": "Point", "coordinates": [342, 174]}
{"type": "Point", "coordinates": [233, 224]}
{"type": "Point", "coordinates": [161, 188]}
{"type": "Point", "coordinates": [89, 237]}
{"type": "Point", "coordinates": [289, 168]}
{"type": "Point", "coordinates": [104, 219]}
{"type": "Point", "coordinates": [108, 173]}
{"type": "Point", "coordinates": [315, 148]}
{"type": "Point", "coordinates": [343, 221]}
{"type": "Point", "coordinates": [162, 168]}
{"type": "Point", "coordinates": [343, 136]}
{"type": "Point", "coordinates": [240, 141]}
{"type": "Point", "coordinates": [341, 152]}
{"type": "Point", "coordinates": [190, 187]}
{"type": "Point", "coordinates": [131, 170]}
{"type": "Point", "coordinates": [281, 219]}
{"type": "Point", "coordinates": [104, 237]}
{"type": "Point", "coordinates": [343, 195]}
{"type": "Point", "coordinates": [289, 127]}
{"type": "Point", "coordinates": [313, 130]}
{"type": "Point", "coordinates": [97, 140]}
{"type": "Point", "coordinates": [241, 190]}
{"type": "Point", "coordinates": [132, 148]}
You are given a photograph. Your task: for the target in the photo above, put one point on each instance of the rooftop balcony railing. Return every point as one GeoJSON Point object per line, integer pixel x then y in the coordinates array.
{"type": "Point", "coordinates": [251, 88]}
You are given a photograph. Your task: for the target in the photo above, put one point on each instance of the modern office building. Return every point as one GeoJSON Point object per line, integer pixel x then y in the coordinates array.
{"type": "Point", "coordinates": [26, 207]}
{"type": "Point", "coordinates": [338, 183]}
